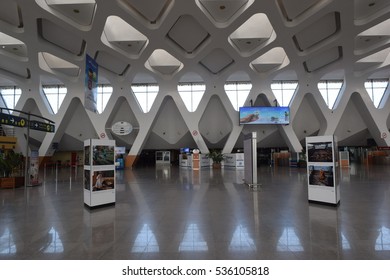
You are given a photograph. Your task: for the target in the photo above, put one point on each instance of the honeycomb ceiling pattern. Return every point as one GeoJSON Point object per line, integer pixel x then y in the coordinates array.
{"type": "Point", "coordinates": [210, 41]}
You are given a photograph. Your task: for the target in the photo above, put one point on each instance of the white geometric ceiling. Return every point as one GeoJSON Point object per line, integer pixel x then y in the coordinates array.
{"type": "Point", "coordinates": [312, 34]}
{"type": "Point", "coordinates": [43, 41]}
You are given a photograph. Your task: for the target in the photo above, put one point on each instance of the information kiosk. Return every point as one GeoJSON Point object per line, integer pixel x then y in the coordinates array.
{"type": "Point", "coordinates": [322, 169]}
{"type": "Point", "coordinates": [99, 172]}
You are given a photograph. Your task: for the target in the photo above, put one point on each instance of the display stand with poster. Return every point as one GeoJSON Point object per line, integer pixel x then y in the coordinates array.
{"type": "Point", "coordinates": [322, 169]}
{"type": "Point", "coordinates": [99, 172]}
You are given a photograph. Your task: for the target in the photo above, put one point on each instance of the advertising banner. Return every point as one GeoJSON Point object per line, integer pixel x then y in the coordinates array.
{"type": "Point", "coordinates": [90, 87]}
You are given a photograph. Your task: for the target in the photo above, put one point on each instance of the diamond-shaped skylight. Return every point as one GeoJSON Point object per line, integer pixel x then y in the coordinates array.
{"type": "Point", "coordinates": [50, 63]}
{"type": "Point", "coordinates": [122, 35]}
{"type": "Point", "coordinates": [12, 45]}
{"type": "Point", "coordinates": [10, 13]}
{"type": "Point", "coordinates": [163, 62]}
{"type": "Point", "coordinates": [60, 37]}
{"type": "Point", "coordinates": [222, 10]}
{"type": "Point", "coordinates": [318, 31]}
{"type": "Point", "coordinates": [150, 10]}
{"type": "Point", "coordinates": [376, 60]}
{"type": "Point", "coordinates": [374, 36]}
{"type": "Point", "coordinates": [275, 58]}
{"type": "Point", "coordinates": [80, 11]}
{"type": "Point", "coordinates": [111, 63]}
{"type": "Point", "coordinates": [253, 33]}
{"type": "Point", "coordinates": [216, 61]}
{"type": "Point", "coordinates": [188, 33]}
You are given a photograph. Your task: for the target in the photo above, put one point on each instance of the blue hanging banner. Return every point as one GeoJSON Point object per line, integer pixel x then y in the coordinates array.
{"type": "Point", "coordinates": [91, 79]}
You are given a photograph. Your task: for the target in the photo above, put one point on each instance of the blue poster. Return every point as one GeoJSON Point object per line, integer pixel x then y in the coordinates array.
{"type": "Point", "coordinates": [91, 79]}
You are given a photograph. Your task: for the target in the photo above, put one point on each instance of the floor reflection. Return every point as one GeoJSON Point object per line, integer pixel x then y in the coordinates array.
{"type": "Point", "coordinates": [145, 241]}
{"type": "Point", "coordinates": [55, 244]}
{"type": "Point", "coordinates": [289, 241]}
{"type": "Point", "coordinates": [383, 241]}
{"type": "Point", "coordinates": [7, 244]}
{"type": "Point", "coordinates": [193, 240]}
{"type": "Point", "coordinates": [241, 241]}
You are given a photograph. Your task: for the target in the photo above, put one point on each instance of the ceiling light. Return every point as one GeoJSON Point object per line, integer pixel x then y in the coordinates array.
{"type": "Point", "coordinates": [372, 4]}
{"type": "Point", "coordinates": [76, 11]}
{"type": "Point", "coordinates": [222, 7]}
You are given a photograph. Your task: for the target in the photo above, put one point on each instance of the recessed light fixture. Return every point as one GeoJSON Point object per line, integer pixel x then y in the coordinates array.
{"type": "Point", "coordinates": [372, 4]}
{"type": "Point", "coordinates": [222, 7]}
{"type": "Point", "coordinates": [76, 11]}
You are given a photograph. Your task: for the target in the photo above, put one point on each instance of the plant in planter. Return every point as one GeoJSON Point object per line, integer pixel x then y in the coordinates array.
{"type": "Point", "coordinates": [217, 157]}
{"type": "Point", "coordinates": [11, 166]}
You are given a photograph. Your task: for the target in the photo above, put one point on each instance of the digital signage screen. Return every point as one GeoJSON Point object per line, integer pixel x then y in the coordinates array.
{"type": "Point", "coordinates": [264, 115]}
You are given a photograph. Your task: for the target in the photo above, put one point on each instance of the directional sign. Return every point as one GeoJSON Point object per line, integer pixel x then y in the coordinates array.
{"type": "Point", "coordinates": [42, 126]}
{"type": "Point", "coordinates": [12, 120]}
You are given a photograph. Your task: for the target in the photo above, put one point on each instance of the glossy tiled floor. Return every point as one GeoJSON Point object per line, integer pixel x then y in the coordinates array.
{"type": "Point", "coordinates": [173, 213]}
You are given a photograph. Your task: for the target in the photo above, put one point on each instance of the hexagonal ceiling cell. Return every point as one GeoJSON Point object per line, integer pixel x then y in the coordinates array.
{"type": "Point", "coordinates": [162, 62]}
{"type": "Point", "coordinates": [150, 10]}
{"type": "Point", "coordinates": [293, 9]}
{"type": "Point", "coordinates": [60, 37]}
{"type": "Point", "coordinates": [274, 59]}
{"type": "Point", "coordinates": [216, 61]}
{"type": "Point", "coordinates": [222, 10]}
{"type": "Point", "coordinates": [323, 59]}
{"type": "Point", "coordinates": [118, 33]}
{"type": "Point", "coordinates": [364, 9]}
{"type": "Point", "coordinates": [111, 63]}
{"type": "Point", "coordinates": [10, 13]}
{"type": "Point", "coordinates": [53, 64]}
{"type": "Point", "coordinates": [184, 26]}
{"type": "Point", "coordinates": [249, 36]}
{"type": "Point", "coordinates": [373, 37]}
{"type": "Point", "coordinates": [327, 26]}
{"type": "Point", "coordinates": [12, 46]}
{"type": "Point", "coordinates": [79, 11]}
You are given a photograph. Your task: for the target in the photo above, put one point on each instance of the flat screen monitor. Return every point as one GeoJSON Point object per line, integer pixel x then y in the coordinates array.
{"type": "Point", "coordinates": [264, 115]}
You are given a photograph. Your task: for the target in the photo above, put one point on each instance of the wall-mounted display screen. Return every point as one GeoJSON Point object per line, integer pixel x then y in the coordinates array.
{"type": "Point", "coordinates": [264, 115]}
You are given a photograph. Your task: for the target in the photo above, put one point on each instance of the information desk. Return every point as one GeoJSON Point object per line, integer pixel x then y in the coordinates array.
{"type": "Point", "coordinates": [234, 160]}
{"type": "Point", "coordinates": [187, 160]}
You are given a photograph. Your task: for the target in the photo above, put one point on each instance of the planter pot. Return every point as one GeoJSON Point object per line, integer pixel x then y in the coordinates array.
{"type": "Point", "coordinates": [216, 165]}
{"type": "Point", "coordinates": [11, 182]}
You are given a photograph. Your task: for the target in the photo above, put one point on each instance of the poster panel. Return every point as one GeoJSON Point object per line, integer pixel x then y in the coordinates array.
{"type": "Point", "coordinates": [320, 151]}
{"type": "Point", "coordinates": [90, 84]}
{"type": "Point", "coordinates": [103, 155]}
{"type": "Point", "coordinates": [321, 175]}
{"type": "Point", "coordinates": [103, 180]}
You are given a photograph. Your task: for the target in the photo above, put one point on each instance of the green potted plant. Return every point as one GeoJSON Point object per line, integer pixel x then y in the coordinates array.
{"type": "Point", "coordinates": [217, 157]}
{"type": "Point", "coordinates": [11, 166]}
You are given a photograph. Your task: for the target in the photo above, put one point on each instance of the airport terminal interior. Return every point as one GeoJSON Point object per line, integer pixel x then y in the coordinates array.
{"type": "Point", "coordinates": [194, 129]}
